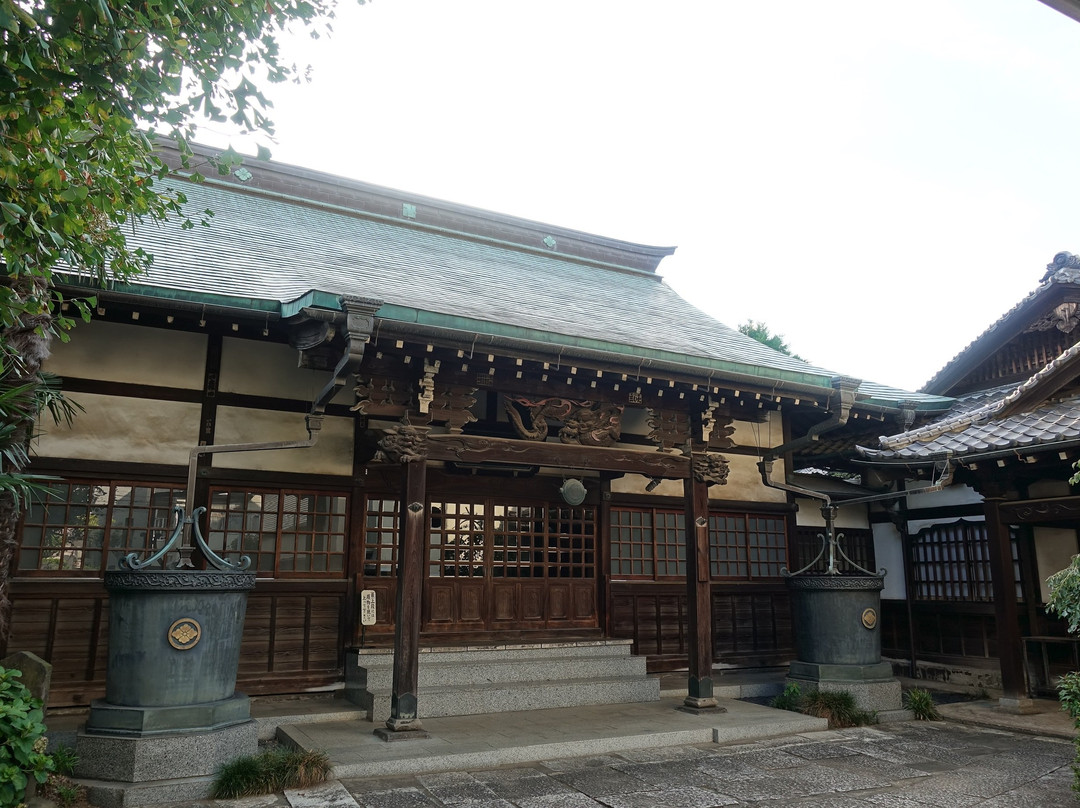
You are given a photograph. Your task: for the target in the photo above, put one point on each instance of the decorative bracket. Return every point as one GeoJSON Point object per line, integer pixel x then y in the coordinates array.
{"type": "Point", "coordinates": [131, 560]}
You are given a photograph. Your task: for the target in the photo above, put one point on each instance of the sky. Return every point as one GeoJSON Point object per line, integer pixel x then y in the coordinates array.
{"type": "Point", "coordinates": [877, 182]}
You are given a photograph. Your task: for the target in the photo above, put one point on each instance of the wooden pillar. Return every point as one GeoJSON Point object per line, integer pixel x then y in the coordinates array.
{"type": "Point", "coordinates": [698, 587]}
{"type": "Point", "coordinates": [408, 445]}
{"type": "Point", "coordinates": [1010, 646]}
{"type": "Point", "coordinates": [698, 596]}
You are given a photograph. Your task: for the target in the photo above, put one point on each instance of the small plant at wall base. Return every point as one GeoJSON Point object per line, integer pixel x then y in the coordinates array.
{"type": "Point", "coordinates": [22, 740]}
{"type": "Point", "coordinates": [270, 771]}
{"type": "Point", "coordinates": [921, 703]}
{"type": "Point", "coordinates": [1064, 600]}
{"type": "Point", "coordinates": [839, 707]}
{"type": "Point", "coordinates": [791, 699]}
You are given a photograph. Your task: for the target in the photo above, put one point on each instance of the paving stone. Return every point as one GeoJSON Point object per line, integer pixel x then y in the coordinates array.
{"type": "Point", "coordinates": [574, 799]}
{"type": "Point", "coordinates": [765, 787]}
{"type": "Point", "coordinates": [687, 797]}
{"type": "Point", "coordinates": [573, 764]}
{"type": "Point", "coordinates": [680, 773]}
{"type": "Point", "coordinates": [930, 793]}
{"type": "Point", "coordinates": [396, 798]}
{"type": "Point", "coordinates": [817, 751]}
{"type": "Point", "coordinates": [658, 753]}
{"type": "Point", "coordinates": [883, 769]}
{"type": "Point", "coordinates": [601, 782]}
{"type": "Point", "coordinates": [453, 788]}
{"type": "Point", "coordinates": [326, 795]}
{"type": "Point", "coordinates": [771, 759]}
{"type": "Point", "coordinates": [817, 779]}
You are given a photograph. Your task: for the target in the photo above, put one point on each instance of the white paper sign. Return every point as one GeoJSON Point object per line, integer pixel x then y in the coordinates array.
{"type": "Point", "coordinates": [367, 607]}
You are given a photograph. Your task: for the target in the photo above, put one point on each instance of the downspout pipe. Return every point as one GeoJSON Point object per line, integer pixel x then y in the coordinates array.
{"type": "Point", "coordinates": [359, 319]}
{"type": "Point", "coordinates": [846, 388]}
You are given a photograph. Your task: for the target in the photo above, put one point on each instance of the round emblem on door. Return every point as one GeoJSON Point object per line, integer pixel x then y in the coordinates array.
{"type": "Point", "coordinates": [185, 633]}
{"type": "Point", "coordinates": [869, 618]}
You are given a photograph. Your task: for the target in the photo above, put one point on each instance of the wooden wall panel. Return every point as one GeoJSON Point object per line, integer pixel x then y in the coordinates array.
{"type": "Point", "coordinates": [751, 623]}
{"type": "Point", "coordinates": [291, 635]}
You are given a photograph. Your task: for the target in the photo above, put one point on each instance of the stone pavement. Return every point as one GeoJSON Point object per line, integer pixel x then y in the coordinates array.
{"type": "Point", "coordinates": [909, 765]}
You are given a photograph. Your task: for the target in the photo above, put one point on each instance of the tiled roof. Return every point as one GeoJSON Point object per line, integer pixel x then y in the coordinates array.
{"type": "Point", "coordinates": [1068, 274]}
{"type": "Point", "coordinates": [267, 247]}
{"type": "Point", "coordinates": [974, 425]}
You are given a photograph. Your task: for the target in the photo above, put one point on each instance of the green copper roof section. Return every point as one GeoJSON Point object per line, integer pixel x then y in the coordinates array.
{"type": "Point", "coordinates": [409, 315]}
{"type": "Point", "coordinates": [266, 253]}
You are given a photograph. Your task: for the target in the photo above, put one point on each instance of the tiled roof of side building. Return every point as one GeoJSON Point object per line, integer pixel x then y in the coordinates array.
{"type": "Point", "coordinates": [971, 428]}
{"type": "Point", "coordinates": [265, 247]}
{"type": "Point", "coordinates": [1064, 270]}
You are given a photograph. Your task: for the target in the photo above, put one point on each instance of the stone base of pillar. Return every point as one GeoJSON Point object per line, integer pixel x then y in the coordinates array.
{"type": "Point", "coordinates": [402, 729]}
{"type": "Point", "coordinates": [701, 705]}
{"type": "Point", "coordinates": [1017, 706]}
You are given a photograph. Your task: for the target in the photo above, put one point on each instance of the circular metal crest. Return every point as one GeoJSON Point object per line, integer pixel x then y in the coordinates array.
{"type": "Point", "coordinates": [572, 492]}
{"type": "Point", "coordinates": [185, 633]}
{"type": "Point", "coordinates": [869, 618]}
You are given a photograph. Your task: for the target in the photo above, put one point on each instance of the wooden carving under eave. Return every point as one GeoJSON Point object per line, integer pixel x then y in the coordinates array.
{"type": "Point", "coordinates": [720, 434]}
{"type": "Point", "coordinates": [404, 443]}
{"type": "Point", "coordinates": [586, 423]}
{"type": "Point", "coordinates": [453, 405]}
{"type": "Point", "coordinates": [670, 429]}
{"type": "Point", "coordinates": [709, 468]}
{"type": "Point", "coordinates": [382, 397]}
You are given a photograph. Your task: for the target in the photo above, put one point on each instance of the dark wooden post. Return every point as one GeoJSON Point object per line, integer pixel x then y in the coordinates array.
{"type": "Point", "coordinates": [408, 444]}
{"type": "Point", "coordinates": [1010, 646]}
{"type": "Point", "coordinates": [698, 596]}
{"type": "Point", "coordinates": [698, 588]}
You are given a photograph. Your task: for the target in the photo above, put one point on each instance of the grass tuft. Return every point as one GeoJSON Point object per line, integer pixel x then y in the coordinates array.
{"type": "Point", "coordinates": [839, 707]}
{"type": "Point", "coordinates": [921, 703]}
{"type": "Point", "coordinates": [270, 771]}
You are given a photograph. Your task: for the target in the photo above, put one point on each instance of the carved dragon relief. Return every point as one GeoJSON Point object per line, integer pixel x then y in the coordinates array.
{"type": "Point", "coordinates": [586, 423]}
{"type": "Point", "coordinates": [404, 444]}
{"type": "Point", "coordinates": [710, 468]}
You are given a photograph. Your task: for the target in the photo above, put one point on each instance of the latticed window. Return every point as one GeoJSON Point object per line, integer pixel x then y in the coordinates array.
{"type": "Point", "coordinates": [380, 537]}
{"type": "Point", "coordinates": [647, 543]}
{"type": "Point", "coordinates": [747, 546]}
{"type": "Point", "coordinates": [287, 533]}
{"type": "Point", "coordinates": [503, 540]}
{"type": "Point", "coordinates": [83, 527]}
{"type": "Point", "coordinates": [952, 562]}
{"type": "Point", "coordinates": [456, 546]}
{"type": "Point", "coordinates": [857, 543]}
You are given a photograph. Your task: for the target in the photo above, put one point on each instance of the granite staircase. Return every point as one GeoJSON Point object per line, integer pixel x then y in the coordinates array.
{"type": "Point", "coordinates": [491, 679]}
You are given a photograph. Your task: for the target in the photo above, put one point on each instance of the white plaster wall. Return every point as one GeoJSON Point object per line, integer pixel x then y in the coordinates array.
{"type": "Point", "coordinates": [953, 495]}
{"type": "Point", "coordinates": [889, 553]}
{"type": "Point", "coordinates": [270, 369]}
{"type": "Point", "coordinates": [760, 435]}
{"type": "Point", "coordinates": [116, 352]}
{"type": "Point", "coordinates": [131, 430]}
{"type": "Point", "coordinates": [635, 484]}
{"type": "Point", "coordinates": [1054, 549]}
{"type": "Point", "coordinates": [332, 454]}
{"type": "Point", "coordinates": [744, 483]}
{"type": "Point", "coordinates": [809, 515]}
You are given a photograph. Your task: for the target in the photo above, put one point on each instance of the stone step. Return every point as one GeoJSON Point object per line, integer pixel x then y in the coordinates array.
{"type": "Point", "coordinates": [583, 648]}
{"type": "Point", "coordinates": [487, 697]}
{"type": "Point", "coordinates": [437, 672]}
